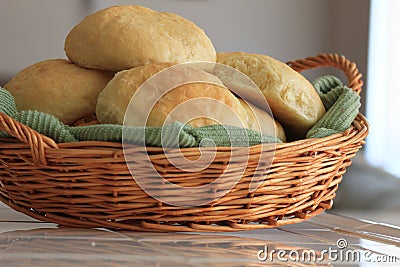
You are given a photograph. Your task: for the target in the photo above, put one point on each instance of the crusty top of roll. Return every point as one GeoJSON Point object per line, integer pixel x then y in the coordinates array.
{"type": "Point", "coordinates": [58, 87]}
{"type": "Point", "coordinates": [202, 95]}
{"type": "Point", "coordinates": [123, 37]}
{"type": "Point", "coordinates": [292, 98]}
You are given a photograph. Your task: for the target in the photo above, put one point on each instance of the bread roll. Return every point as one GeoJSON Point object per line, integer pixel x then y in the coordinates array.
{"type": "Point", "coordinates": [293, 100]}
{"type": "Point", "coordinates": [197, 98]}
{"type": "Point", "coordinates": [199, 104]}
{"type": "Point", "coordinates": [123, 37]}
{"type": "Point", "coordinates": [58, 87]}
{"type": "Point", "coordinates": [260, 121]}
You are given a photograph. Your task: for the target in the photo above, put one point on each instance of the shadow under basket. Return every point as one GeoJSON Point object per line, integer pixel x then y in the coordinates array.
{"type": "Point", "coordinates": [89, 184]}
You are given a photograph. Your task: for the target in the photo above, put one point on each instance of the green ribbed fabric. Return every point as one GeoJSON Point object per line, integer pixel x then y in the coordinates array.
{"type": "Point", "coordinates": [173, 135]}
{"type": "Point", "coordinates": [343, 103]}
{"type": "Point", "coordinates": [7, 103]}
{"type": "Point", "coordinates": [324, 84]}
{"type": "Point", "coordinates": [230, 136]}
{"type": "Point", "coordinates": [7, 106]}
{"type": "Point", "coordinates": [329, 88]}
{"type": "Point", "coordinates": [46, 124]}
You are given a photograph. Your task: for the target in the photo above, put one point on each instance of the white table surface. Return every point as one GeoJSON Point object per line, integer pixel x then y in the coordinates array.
{"type": "Point", "coordinates": [27, 242]}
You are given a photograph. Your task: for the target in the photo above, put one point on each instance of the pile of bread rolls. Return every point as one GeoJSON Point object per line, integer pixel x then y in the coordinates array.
{"type": "Point", "coordinates": [113, 52]}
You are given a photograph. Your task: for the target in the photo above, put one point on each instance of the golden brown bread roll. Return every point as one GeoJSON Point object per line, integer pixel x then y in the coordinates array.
{"type": "Point", "coordinates": [58, 87]}
{"type": "Point", "coordinates": [114, 99]}
{"type": "Point", "coordinates": [293, 100]}
{"type": "Point", "coordinates": [123, 37]}
{"type": "Point", "coordinates": [197, 98]}
{"type": "Point", "coordinates": [260, 121]}
{"type": "Point", "coordinates": [199, 104]}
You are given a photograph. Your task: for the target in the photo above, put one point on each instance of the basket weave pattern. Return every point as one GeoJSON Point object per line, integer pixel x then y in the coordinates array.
{"type": "Point", "coordinates": [88, 184]}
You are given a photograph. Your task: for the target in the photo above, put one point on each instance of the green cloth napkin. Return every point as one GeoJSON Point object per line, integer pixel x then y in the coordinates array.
{"type": "Point", "coordinates": [341, 103]}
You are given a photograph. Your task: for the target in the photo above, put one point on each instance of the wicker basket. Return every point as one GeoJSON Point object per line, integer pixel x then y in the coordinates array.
{"type": "Point", "coordinates": [88, 184]}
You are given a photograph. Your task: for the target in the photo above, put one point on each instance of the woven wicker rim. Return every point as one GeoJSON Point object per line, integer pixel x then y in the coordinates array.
{"type": "Point", "coordinates": [87, 184]}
